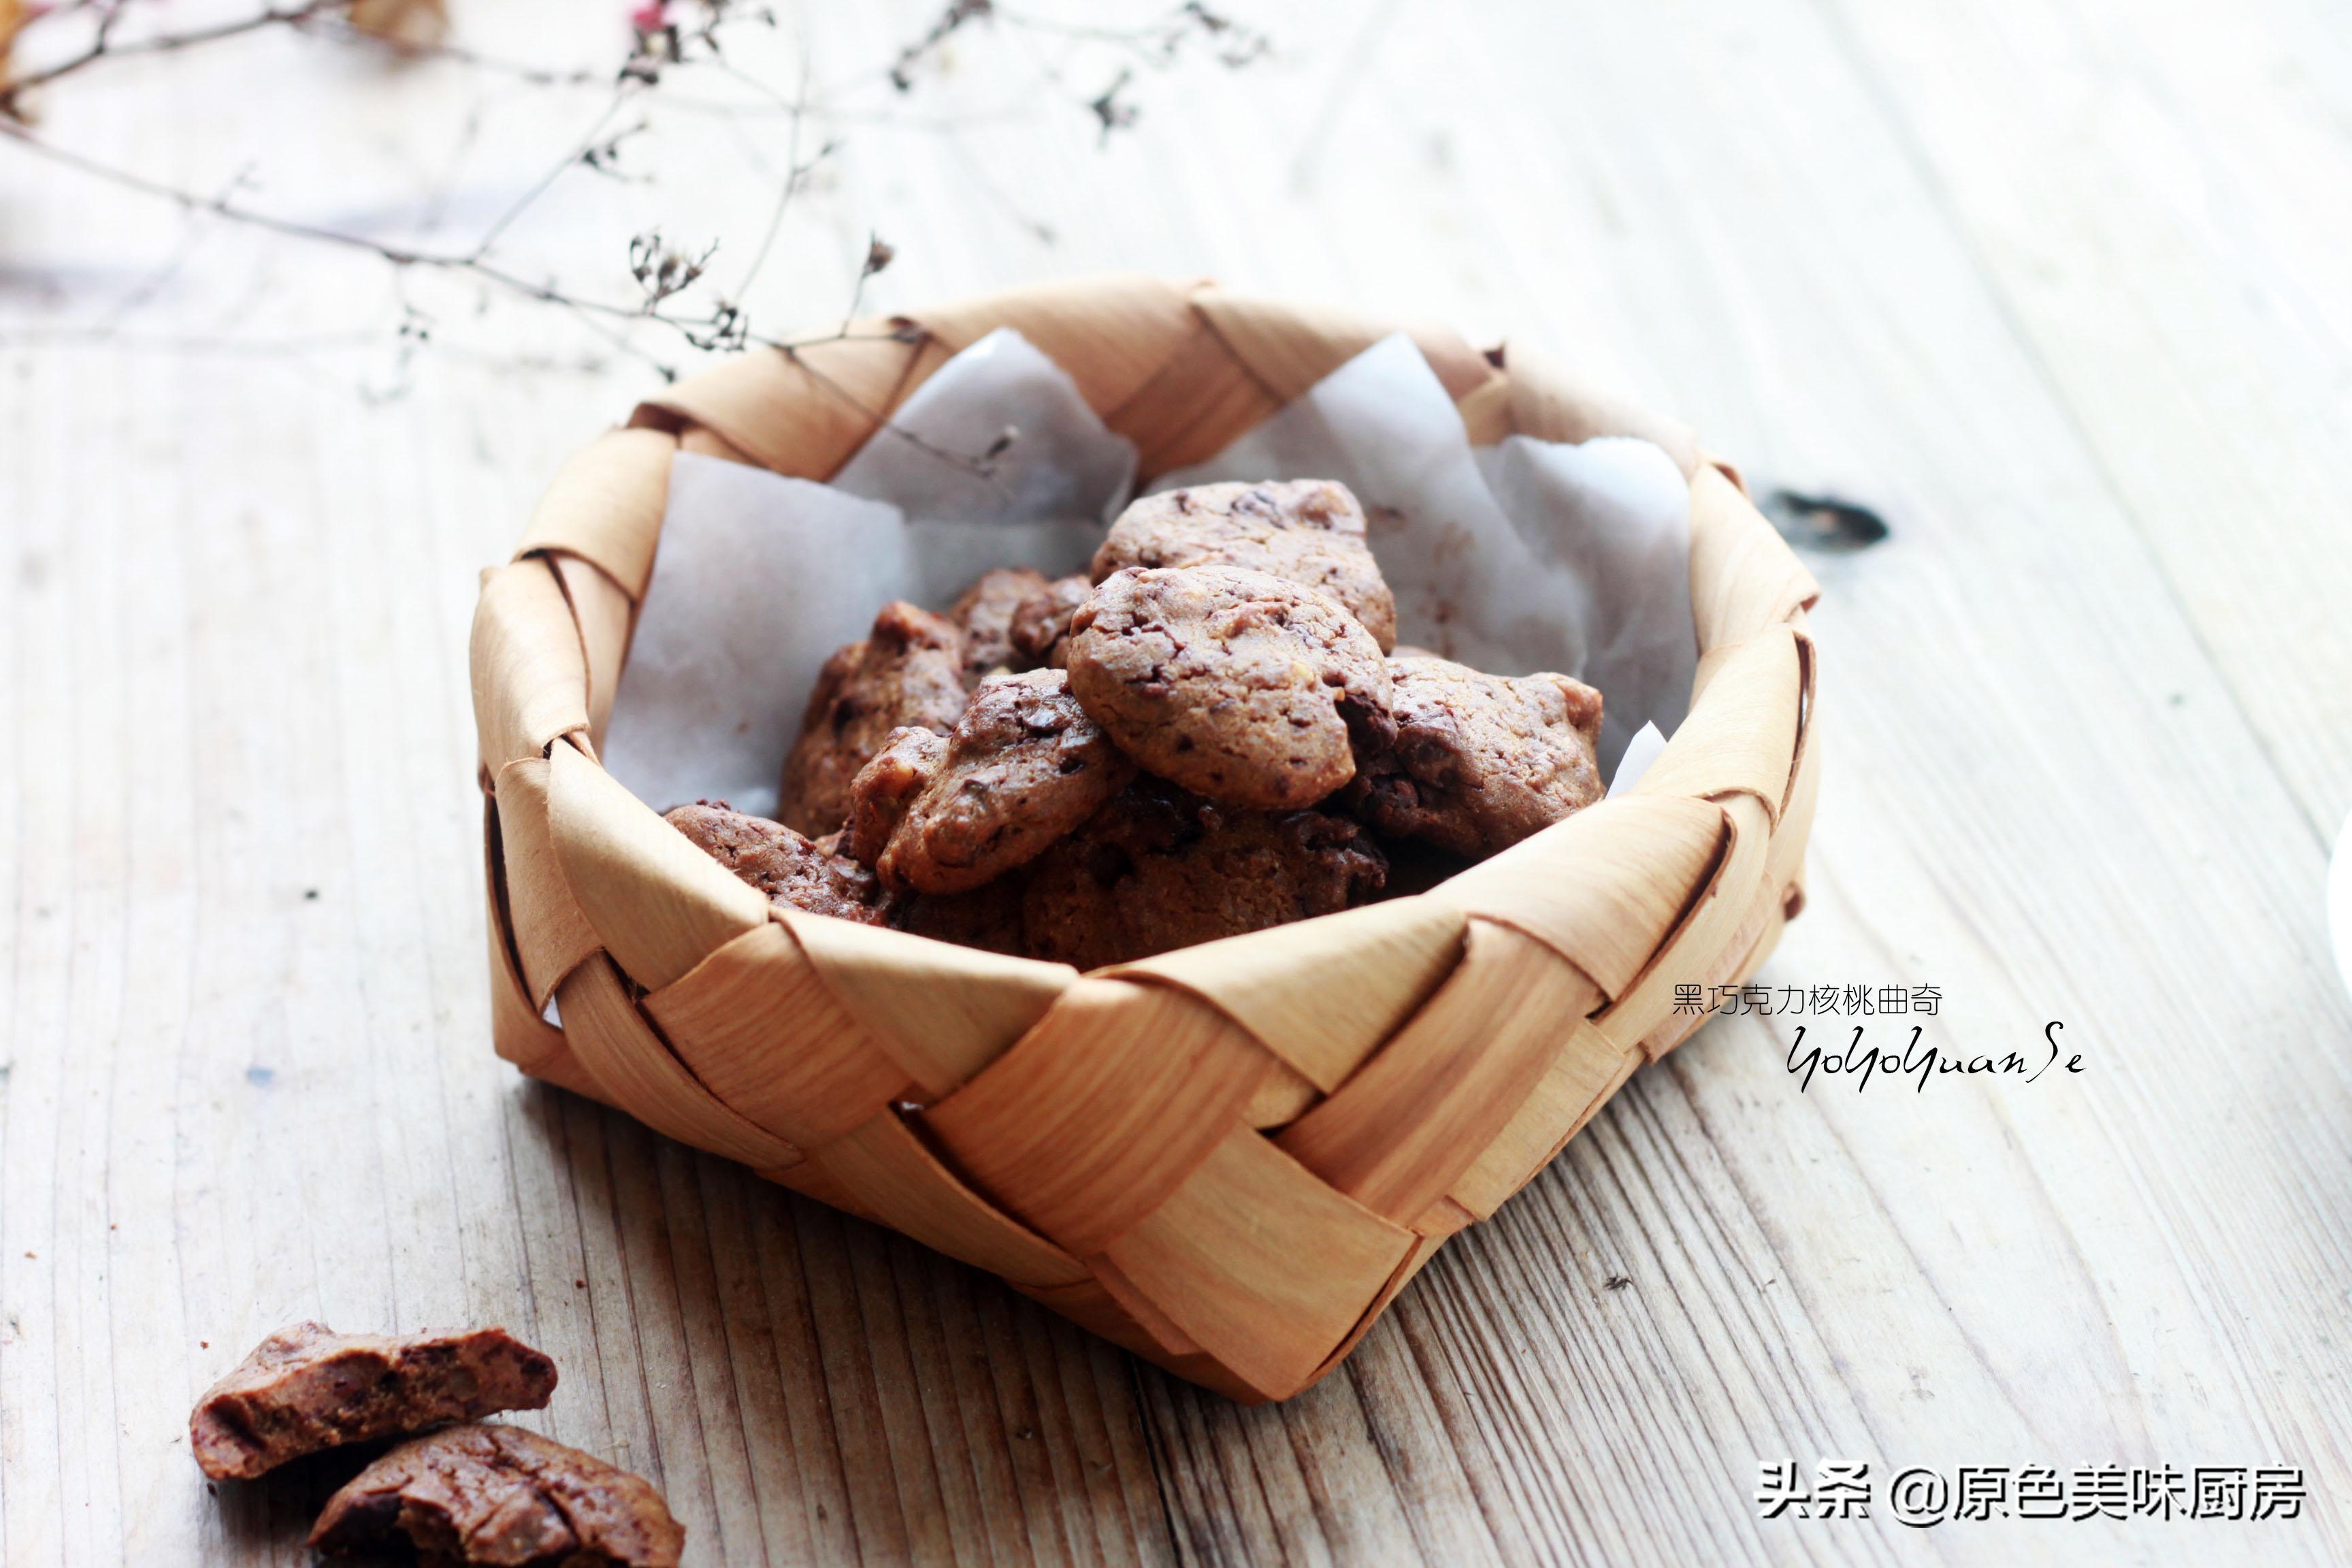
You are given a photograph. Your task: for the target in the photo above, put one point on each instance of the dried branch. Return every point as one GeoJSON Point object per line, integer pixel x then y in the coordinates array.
{"type": "Point", "coordinates": [672, 283]}
{"type": "Point", "coordinates": [103, 47]}
{"type": "Point", "coordinates": [366, 24]}
{"type": "Point", "coordinates": [1160, 43]}
{"type": "Point", "coordinates": [950, 22]}
{"type": "Point", "coordinates": [662, 275]}
{"type": "Point", "coordinates": [1113, 114]}
{"type": "Point", "coordinates": [879, 254]}
{"type": "Point", "coordinates": [605, 156]}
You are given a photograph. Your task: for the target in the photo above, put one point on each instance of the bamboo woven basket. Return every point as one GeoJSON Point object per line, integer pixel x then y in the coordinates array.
{"type": "Point", "coordinates": [1227, 1159]}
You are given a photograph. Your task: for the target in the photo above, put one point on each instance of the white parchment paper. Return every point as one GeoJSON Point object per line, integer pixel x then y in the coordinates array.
{"type": "Point", "coordinates": [1533, 556]}
{"type": "Point", "coordinates": [759, 578]}
{"type": "Point", "coordinates": [1530, 555]}
{"type": "Point", "coordinates": [1042, 502]}
{"type": "Point", "coordinates": [1616, 513]}
{"type": "Point", "coordinates": [1639, 753]}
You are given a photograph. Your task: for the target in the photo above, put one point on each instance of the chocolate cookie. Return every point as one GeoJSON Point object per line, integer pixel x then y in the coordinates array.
{"type": "Point", "coordinates": [780, 863]}
{"type": "Point", "coordinates": [1041, 628]}
{"type": "Point", "coordinates": [1157, 868]}
{"type": "Point", "coordinates": [1480, 762]}
{"type": "Point", "coordinates": [1236, 684]}
{"type": "Point", "coordinates": [504, 1496]}
{"type": "Point", "coordinates": [307, 1388]}
{"type": "Point", "coordinates": [1302, 531]}
{"type": "Point", "coordinates": [908, 671]}
{"type": "Point", "coordinates": [1025, 766]}
{"type": "Point", "coordinates": [886, 786]}
{"type": "Point", "coordinates": [988, 917]}
{"type": "Point", "coordinates": [985, 614]}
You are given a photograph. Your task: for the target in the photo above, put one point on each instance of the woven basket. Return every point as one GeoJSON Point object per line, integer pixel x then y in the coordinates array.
{"type": "Point", "coordinates": [1227, 1159]}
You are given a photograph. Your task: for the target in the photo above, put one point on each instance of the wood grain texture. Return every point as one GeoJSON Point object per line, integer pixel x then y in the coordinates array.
{"type": "Point", "coordinates": [2057, 289]}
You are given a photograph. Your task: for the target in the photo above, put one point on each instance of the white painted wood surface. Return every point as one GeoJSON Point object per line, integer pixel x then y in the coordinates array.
{"type": "Point", "coordinates": [2062, 290]}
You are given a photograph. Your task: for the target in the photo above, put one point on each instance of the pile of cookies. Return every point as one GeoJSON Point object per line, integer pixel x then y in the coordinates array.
{"type": "Point", "coordinates": [1211, 731]}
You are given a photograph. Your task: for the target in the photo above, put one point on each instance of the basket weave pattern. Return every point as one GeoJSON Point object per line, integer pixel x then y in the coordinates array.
{"type": "Point", "coordinates": [1227, 1159]}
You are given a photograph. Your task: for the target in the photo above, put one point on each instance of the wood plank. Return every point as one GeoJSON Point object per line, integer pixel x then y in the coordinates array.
{"type": "Point", "coordinates": [2057, 290]}
{"type": "Point", "coordinates": [2196, 231]}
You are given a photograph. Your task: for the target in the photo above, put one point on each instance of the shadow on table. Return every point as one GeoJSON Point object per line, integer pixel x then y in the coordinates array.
{"type": "Point", "coordinates": [268, 1518]}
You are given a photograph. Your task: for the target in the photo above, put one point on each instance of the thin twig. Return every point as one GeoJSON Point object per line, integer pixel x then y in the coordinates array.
{"type": "Point", "coordinates": [591, 312]}
{"type": "Point", "coordinates": [102, 46]}
{"type": "Point", "coordinates": [581, 149]}
{"type": "Point", "coordinates": [879, 254]}
{"type": "Point", "coordinates": [793, 173]}
{"type": "Point", "coordinates": [397, 256]}
{"type": "Point", "coordinates": [670, 43]}
{"type": "Point", "coordinates": [458, 54]}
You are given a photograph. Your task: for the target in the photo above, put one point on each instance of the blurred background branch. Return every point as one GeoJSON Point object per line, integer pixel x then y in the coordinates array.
{"type": "Point", "coordinates": [696, 102]}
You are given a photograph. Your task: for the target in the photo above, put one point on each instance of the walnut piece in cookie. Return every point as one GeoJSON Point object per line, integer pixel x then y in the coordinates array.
{"type": "Point", "coordinates": [886, 786]}
{"type": "Point", "coordinates": [986, 613]}
{"type": "Point", "coordinates": [909, 670]}
{"type": "Point", "coordinates": [1041, 628]}
{"type": "Point", "coordinates": [1303, 531]}
{"type": "Point", "coordinates": [504, 1496]}
{"type": "Point", "coordinates": [780, 863]}
{"type": "Point", "coordinates": [1236, 684]}
{"type": "Point", "coordinates": [1157, 868]}
{"type": "Point", "coordinates": [1023, 767]}
{"type": "Point", "coordinates": [307, 1388]}
{"type": "Point", "coordinates": [1480, 762]}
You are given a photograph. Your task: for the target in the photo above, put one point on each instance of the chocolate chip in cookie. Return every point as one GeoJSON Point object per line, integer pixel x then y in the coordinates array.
{"type": "Point", "coordinates": [986, 613]}
{"type": "Point", "coordinates": [910, 670]}
{"type": "Point", "coordinates": [782, 864]}
{"type": "Point", "coordinates": [1239, 685]}
{"type": "Point", "coordinates": [1480, 762]}
{"type": "Point", "coordinates": [1024, 766]}
{"type": "Point", "coordinates": [1303, 531]}
{"type": "Point", "coordinates": [1041, 628]}
{"type": "Point", "coordinates": [1159, 868]}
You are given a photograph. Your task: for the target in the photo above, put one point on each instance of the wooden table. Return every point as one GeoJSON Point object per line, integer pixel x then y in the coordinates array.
{"type": "Point", "coordinates": [2064, 292]}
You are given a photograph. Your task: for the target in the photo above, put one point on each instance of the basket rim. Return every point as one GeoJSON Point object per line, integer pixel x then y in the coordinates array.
{"type": "Point", "coordinates": [714, 407]}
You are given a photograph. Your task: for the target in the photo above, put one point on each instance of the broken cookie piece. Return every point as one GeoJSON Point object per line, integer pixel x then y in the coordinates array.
{"type": "Point", "coordinates": [885, 787]}
{"type": "Point", "coordinates": [503, 1495]}
{"type": "Point", "coordinates": [789, 868]}
{"type": "Point", "coordinates": [1024, 766]}
{"type": "Point", "coordinates": [1480, 762]}
{"type": "Point", "coordinates": [1303, 531]}
{"type": "Point", "coordinates": [307, 1388]}
{"type": "Point", "coordinates": [1238, 685]}
{"type": "Point", "coordinates": [909, 670]}
{"type": "Point", "coordinates": [986, 613]}
{"type": "Point", "coordinates": [1157, 868]}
